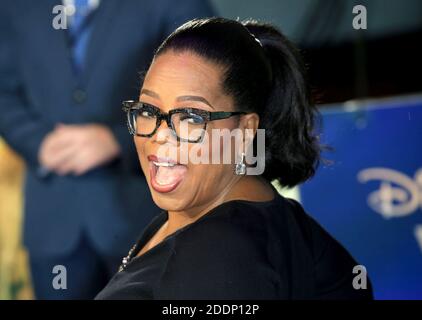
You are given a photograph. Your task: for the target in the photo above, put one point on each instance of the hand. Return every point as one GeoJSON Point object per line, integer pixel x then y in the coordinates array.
{"type": "Point", "coordinates": [77, 148]}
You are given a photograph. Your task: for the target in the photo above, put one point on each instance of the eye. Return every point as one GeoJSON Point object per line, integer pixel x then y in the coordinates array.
{"type": "Point", "coordinates": [192, 118]}
{"type": "Point", "coordinates": [145, 113]}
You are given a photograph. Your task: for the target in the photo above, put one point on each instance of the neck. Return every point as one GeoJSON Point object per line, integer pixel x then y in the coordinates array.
{"type": "Point", "coordinates": [239, 189]}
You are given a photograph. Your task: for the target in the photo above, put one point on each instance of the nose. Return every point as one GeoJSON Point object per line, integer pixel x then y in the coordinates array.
{"type": "Point", "coordinates": [163, 133]}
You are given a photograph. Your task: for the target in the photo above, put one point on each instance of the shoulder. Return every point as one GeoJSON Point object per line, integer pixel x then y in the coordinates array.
{"type": "Point", "coordinates": [222, 257]}
{"type": "Point", "coordinates": [234, 227]}
{"type": "Point", "coordinates": [331, 264]}
{"type": "Point", "coordinates": [250, 228]}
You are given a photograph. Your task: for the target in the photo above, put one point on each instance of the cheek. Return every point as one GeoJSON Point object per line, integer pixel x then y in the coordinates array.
{"type": "Point", "coordinates": [208, 181]}
{"type": "Point", "coordinates": [221, 150]}
{"type": "Point", "coordinates": [216, 168]}
{"type": "Point", "coordinates": [218, 150]}
{"type": "Point", "coordinates": [140, 144]}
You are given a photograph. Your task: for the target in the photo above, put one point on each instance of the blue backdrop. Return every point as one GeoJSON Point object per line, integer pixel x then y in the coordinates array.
{"type": "Point", "coordinates": [370, 197]}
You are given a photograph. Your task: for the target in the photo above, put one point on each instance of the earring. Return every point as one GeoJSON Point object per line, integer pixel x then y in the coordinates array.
{"type": "Point", "coordinates": [240, 168]}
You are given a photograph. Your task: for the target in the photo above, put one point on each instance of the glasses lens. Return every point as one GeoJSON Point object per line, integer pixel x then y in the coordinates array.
{"type": "Point", "coordinates": [143, 120]}
{"type": "Point", "coordinates": [188, 125]}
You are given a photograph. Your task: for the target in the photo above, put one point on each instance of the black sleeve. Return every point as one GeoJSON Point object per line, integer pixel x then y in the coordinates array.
{"type": "Point", "coordinates": [216, 261]}
{"type": "Point", "coordinates": [333, 265]}
{"type": "Point", "coordinates": [334, 270]}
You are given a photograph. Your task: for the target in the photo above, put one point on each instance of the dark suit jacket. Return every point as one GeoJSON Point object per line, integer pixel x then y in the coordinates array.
{"type": "Point", "coordinates": [112, 204]}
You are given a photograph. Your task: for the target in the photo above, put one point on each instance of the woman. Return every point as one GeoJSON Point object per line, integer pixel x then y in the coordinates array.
{"type": "Point", "coordinates": [224, 233]}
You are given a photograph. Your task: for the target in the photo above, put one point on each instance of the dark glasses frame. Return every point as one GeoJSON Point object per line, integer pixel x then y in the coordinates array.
{"type": "Point", "coordinates": [207, 116]}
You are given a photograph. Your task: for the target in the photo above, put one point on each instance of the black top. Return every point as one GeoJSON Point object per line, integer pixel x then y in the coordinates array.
{"type": "Point", "coordinates": [240, 250]}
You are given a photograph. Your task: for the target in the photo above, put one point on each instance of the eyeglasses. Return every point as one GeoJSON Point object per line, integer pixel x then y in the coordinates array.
{"type": "Point", "coordinates": [187, 124]}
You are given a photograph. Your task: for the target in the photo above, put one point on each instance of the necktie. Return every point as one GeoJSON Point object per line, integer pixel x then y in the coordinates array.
{"type": "Point", "coordinates": [79, 30]}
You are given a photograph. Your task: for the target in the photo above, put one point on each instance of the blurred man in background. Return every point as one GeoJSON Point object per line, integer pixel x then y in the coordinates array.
{"type": "Point", "coordinates": [60, 93]}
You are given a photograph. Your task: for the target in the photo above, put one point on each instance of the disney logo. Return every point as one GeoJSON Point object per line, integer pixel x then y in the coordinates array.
{"type": "Point", "coordinates": [398, 194]}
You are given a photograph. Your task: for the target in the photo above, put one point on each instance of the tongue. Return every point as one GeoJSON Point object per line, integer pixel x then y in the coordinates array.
{"type": "Point", "coordinates": [170, 175]}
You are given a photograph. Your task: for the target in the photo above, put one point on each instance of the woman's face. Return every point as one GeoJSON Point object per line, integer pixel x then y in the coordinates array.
{"type": "Point", "coordinates": [178, 80]}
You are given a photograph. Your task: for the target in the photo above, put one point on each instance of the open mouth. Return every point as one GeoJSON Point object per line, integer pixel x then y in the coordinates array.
{"type": "Point", "coordinates": [165, 174]}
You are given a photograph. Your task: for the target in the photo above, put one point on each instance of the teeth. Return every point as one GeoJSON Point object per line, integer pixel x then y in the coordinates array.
{"type": "Point", "coordinates": [163, 164]}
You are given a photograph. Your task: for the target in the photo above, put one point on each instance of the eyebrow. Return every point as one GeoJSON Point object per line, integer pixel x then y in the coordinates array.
{"type": "Point", "coordinates": [150, 93]}
{"type": "Point", "coordinates": [194, 98]}
{"type": "Point", "coordinates": [178, 99]}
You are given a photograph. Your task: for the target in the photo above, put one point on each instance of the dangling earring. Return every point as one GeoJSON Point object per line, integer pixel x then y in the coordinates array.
{"type": "Point", "coordinates": [240, 168]}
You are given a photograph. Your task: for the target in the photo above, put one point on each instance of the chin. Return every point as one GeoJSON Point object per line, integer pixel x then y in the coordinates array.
{"type": "Point", "coordinates": [173, 202]}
